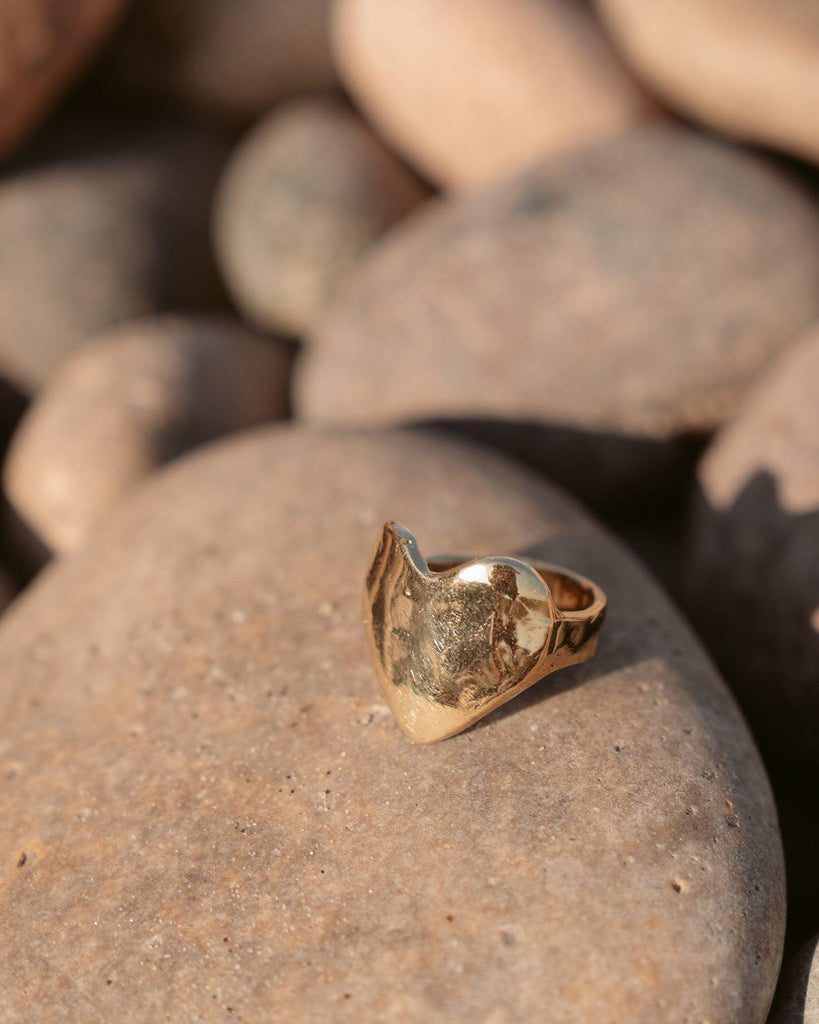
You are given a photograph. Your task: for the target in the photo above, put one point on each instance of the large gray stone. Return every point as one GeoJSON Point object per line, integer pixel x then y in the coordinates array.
{"type": "Point", "coordinates": [592, 315]}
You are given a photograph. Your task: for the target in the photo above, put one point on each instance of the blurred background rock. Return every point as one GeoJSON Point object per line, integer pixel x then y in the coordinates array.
{"type": "Point", "coordinates": [129, 401]}
{"type": "Point", "coordinates": [224, 59]}
{"type": "Point", "coordinates": [302, 199]}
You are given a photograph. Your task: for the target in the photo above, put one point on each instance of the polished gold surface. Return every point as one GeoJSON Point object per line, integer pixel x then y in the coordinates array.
{"type": "Point", "coordinates": [454, 639]}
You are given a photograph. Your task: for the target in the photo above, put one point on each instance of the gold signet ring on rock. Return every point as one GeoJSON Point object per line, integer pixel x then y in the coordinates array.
{"type": "Point", "coordinates": [454, 639]}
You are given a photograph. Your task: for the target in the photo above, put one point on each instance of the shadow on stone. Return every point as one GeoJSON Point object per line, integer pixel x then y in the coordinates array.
{"type": "Point", "coordinates": [796, 1001]}
{"type": "Point", "coordinates": [797, 802]}
{"type": "Point", "coordinates": [621, 477]}
{"type": "Point", "coordinates": [12, 406]}
{"type": "Point", "coordinates": [22, 552]}
{"type": "Point", "coordinates": [752, 588]}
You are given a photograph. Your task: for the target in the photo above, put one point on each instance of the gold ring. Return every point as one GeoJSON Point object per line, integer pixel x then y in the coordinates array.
{"type": "Point", "coordinates": [455, 638]}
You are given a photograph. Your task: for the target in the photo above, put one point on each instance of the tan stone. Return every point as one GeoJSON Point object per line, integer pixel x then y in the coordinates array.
{"type": "Point", "coordinates": [103, 226]}
{"type": "Point", "coordinates": [208, 811]}
{"type": "Point", "coordinates": [753, 570]}
{"type": "Point", "coordinates": [746, 67]}
{"type": "Point", "coordinates": [797, 998]}
{"type": "Point", "coordinates": [591, 315]}
{"type": "Point", "coordinates": [473, 90]}
{"type": "Point", "coordinates": [220, 56]}
{"type": "Point", "coordinates": [44, 44]}
{"type": "Point", "coordinates": [130, 401]}
{"type": "Point", "coordinates": [303, 197]}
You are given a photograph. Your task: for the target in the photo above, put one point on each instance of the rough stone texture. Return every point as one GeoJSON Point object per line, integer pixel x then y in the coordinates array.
{"type": "Point", "coordinates": [222, 56]}
{"type": "Point", "coordinates": [747, 67]}
{"type": "Point", "coordinates": [130, 401]}
{"type": "Point", "coordinates": [206, 805]}
{"type": "Point", "coordinates": [473, 90]}
{"type": "Point", "coordinates": [99, 229]}
{"type": "Point", "coordinates": [797, 998]}
{"type": "Point", "coordinates": [605, 306]}
{"type": "Point", "coordinates": [753, 581]}
{"type": "Point", "coordinates": [43, 45]}
{"type": "Point", "coordinates": [309, 190]}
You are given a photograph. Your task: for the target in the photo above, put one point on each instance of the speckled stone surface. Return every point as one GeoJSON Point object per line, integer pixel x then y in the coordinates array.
{"type": "Point", "coordinates": [471, 91]}
{"type": "Point", "coordinates": [745, 67]}
{"type": "Point", "coordinates": [303, 197]}
{"type": "Point", "coordinates": [129, 401]}
{"type": "Point", "coordinates": [209, 814]}
{"type": "Point", "coordinates": [577, 304]}
{"type": "Point", "coordinates": [44, 44]}
{"type": "Point", "coordinates": [797, 997]}
{"type": "Point", "coordinates": [101, 225]}
{"type": "Point", "coordinates": [753, 570]}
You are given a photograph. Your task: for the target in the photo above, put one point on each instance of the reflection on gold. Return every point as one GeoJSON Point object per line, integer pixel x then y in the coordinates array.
{"type": "Point", "coordinates": [453, 640]}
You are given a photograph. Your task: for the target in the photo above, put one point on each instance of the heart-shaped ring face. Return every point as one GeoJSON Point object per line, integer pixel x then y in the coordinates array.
{"type": "Point", "coordinates": [451, 645]}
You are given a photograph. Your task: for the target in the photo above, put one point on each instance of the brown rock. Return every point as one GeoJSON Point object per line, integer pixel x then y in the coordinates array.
{"type": "Point", "coordinates": [797, 998]}
{"type": "Point", "coordinates": [747, 67]}
{"type": "Point", "coordinates": [43, 45]}
{"type": "Point", "coordinates": [304, 196]}
{"type": "Point", "coordinates": [205, 792]}
{"type": "Point", "coordinates": [753, 569]}
{"type": "Point", "coordinates": [103, 230]}
{"type": "Point", "coordinates": [591, 315]}
{"type": "Point", "coordinates": [220, 56]}
{"type": "Point", "coordinates": [123, 405]}
{"type": "Point", "coordinates": [474, 90]}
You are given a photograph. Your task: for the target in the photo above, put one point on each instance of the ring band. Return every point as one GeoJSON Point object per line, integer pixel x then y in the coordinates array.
{"type": "Point", "coordinates": [455, 638]}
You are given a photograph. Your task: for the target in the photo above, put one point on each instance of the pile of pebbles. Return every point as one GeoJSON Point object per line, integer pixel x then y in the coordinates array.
{"type": "Point", "coordinates": [530, 276]}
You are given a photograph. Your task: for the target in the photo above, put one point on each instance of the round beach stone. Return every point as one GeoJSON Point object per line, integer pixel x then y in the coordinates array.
{"type": "Point", "coordinates": [220, 56]}
{"type": "Point", "coordinates": [101, 228]}
{"type": "Point", "coordinates": [44, 44]}
{"type": "Point", "coordinates": [126, 403]}
{"type": "Point", "coordinates": [572, 314]}
{"type": "Point", "coordinates": [204, 790]}
{"type": "Point", "coordinates": [746, 67]}
{"type": "Point", "coordinates": [753, 572]}
{"type": "Point", "coordinates": [797, 998]}
{"type": "Point", "coordinates": [303, 197]}
{"type": "Point", "coordinates": [473, 90]}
